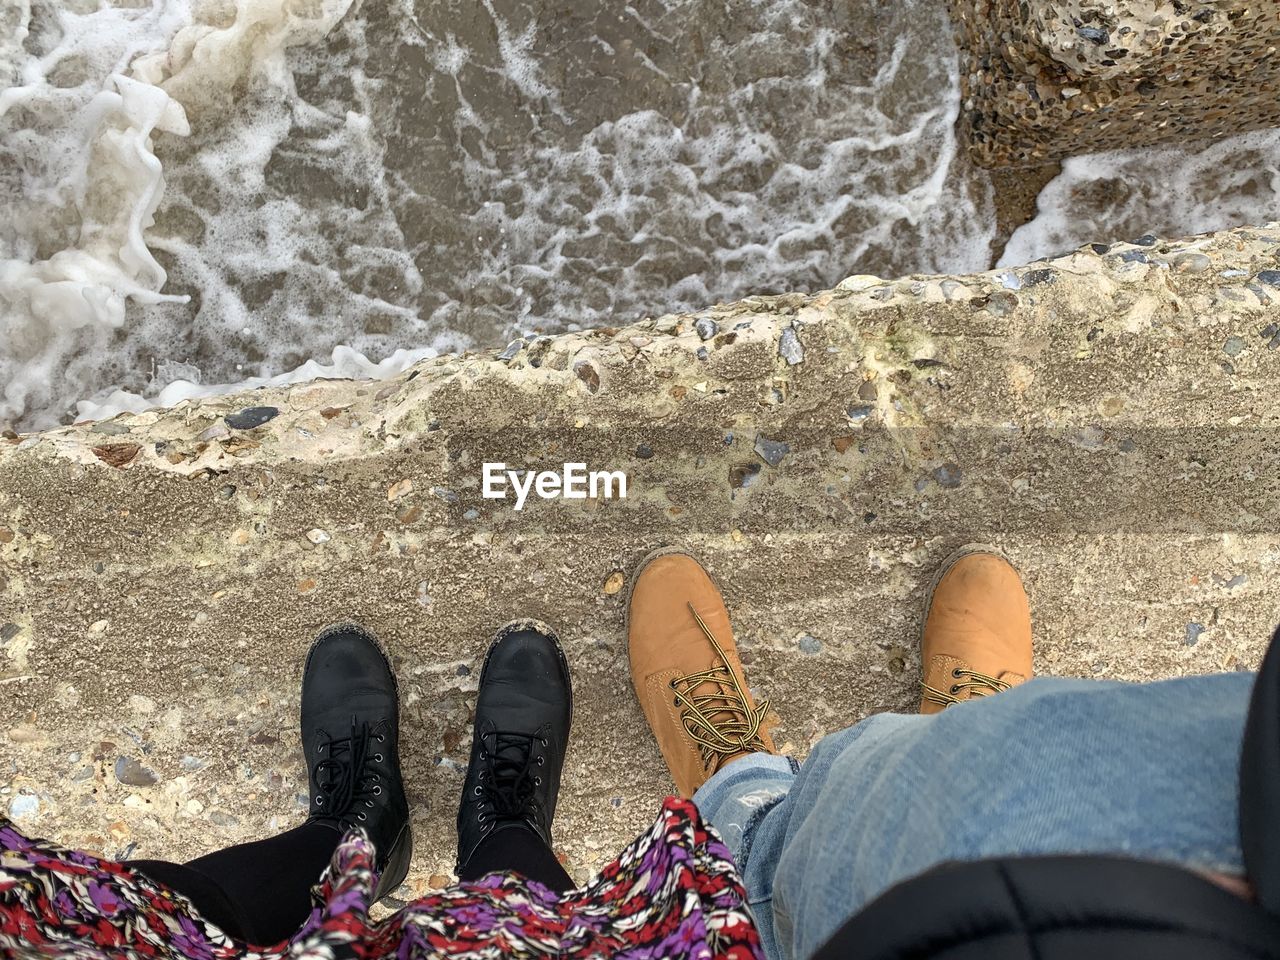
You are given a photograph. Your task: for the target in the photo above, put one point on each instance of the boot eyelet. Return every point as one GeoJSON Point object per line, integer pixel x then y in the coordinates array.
{"type": "Point", "coordinates": [540, 759]}
{"type": "Point", "coordinates": [369, 804]}
{"type": "Point", "coordinates": [543, 741]}
{"type": "Point", "coordinates": [477, 791]}
{"type": "Point", "coordinates": [377, 758]}
{"type": "Point", "coordinates": [362, 816]}
{"type": "Point", "coordinates": [377, 791]}
{"type": "Point", "coordinates": [484, 754]}
{"type": "Point", "coordinates": [380, 737]}
{"type": "Point", "coordinates": [319, 801]}
{"type": "Point", "coordinates": [956, 673]}
{"type": "Point", "coordinates": [955, 689]}
{"type": "Point", "coordinates": [537, 781]}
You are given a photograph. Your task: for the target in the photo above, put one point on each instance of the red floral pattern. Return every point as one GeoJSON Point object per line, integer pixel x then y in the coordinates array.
{"type": "Point", "coordinates": [673, 893]}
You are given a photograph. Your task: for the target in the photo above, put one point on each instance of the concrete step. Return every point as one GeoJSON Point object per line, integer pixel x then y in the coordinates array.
{"type": "Point", "coordinates": [1108, 418]}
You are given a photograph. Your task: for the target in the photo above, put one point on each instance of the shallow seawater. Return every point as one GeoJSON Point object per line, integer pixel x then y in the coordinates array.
{"type": "Point", "coordinates": [195, 194]}
{"type": "Point", "coordinates": [1169, 191]}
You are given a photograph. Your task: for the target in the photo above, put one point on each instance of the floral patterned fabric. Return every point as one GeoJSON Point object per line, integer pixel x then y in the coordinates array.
{"type": "Point", "coordinates": [673, 893]}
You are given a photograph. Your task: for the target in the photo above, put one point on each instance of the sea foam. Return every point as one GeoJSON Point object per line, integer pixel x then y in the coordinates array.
{"type": "Point", "coordinates": [1170, 191]}
{"type": "Point", "coordinates": [197, 195]}
{"type": "Point", "coordinates": [421, 177]}
{"type": "Point", "coordinates": [89, 89]}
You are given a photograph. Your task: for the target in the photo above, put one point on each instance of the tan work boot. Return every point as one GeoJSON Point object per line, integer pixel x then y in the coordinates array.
{"type": "Point", "coordinates": [977, 629]}
{"type": "Point", "coordinates": [686, 671]}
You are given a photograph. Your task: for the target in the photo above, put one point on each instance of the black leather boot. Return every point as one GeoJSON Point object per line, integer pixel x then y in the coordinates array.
{"type": "Point", "coordinates": [523, 714]}
{"type": "Point", "coordinates": [350, 734]}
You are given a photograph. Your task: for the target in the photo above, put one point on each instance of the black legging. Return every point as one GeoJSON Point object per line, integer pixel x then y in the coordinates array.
{"type": "Point", "coordinates": [260, 892]}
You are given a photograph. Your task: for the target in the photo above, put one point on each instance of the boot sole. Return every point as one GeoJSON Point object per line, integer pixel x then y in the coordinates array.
{"type": "Point", "coordinates": [397, 867]}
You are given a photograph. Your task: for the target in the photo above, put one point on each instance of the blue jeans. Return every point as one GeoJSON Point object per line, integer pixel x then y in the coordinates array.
{"type": "Point", "coordinates": [1053, 766]}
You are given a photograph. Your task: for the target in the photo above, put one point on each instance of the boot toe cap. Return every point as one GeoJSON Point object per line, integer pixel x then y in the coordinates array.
{"type": "Point", "coordinates": [529, 654]}
{"type": "Point", "coordinates": [350, 654]}
{"type": "Point", "coordinates": [526, 674]}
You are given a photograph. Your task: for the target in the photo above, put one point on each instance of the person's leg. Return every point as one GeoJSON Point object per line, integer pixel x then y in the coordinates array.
{"type": "Point", "coordinates": [211, 902]}
{"type": "Point", "coordinates": [259, 892]}
{"type": "Point", "coordinates": [1052, 767]}
{"type": "Point", "coordinates": [740, 801]}
{"type": "Point", "coordinates": [690, 684]}
{"type": "Point", "coordinates": [524, 709]}
{"type": "Point", "coordinates": [1148, 771]}
{"type": "Point", "coordinates": [517, 851]}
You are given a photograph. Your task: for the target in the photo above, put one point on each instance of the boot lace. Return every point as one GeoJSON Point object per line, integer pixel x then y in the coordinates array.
{"type": "Point", "coordinates": [345, 779]}
{"type": "Point", "coordinates": [978, 685]}
{"type": "Point", "coordinates": [509, 775]}
{"type": "Point", "coordinates": [718, 715]}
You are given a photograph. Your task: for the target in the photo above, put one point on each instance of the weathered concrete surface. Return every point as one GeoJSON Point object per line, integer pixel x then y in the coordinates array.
{"type": "Point", "coordinates": [1047, 79]}
{"type": "Point", "coordinates": [1110, 419]}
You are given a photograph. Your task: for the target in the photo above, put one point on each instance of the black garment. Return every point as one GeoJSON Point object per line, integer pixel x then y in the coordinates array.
{"type": "Point", "coordinates": [260, 892]}
{"type": "Point", "coordinates": [1102, 908]}
{"type": "Point", "coordinates": [1057, 908]}
{"type": "Point", "coordinates": [518, 850]}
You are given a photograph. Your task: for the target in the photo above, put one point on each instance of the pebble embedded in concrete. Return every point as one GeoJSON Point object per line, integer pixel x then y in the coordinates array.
{"type": "Point", "coordinates": [24, 805]}
{"type": "Point", "coordinates": [131, 772]}
{"type": "Point", "coordinates": [251, 417]}
{"type": "Point", "coordinates": [1191, 263]}
{"type": "Point", "coordinates": [810, 645]}
{"type": "Point", "coordinates": [790, 348]}
{"type": "Point", "coordinates": [771, 452]}
{"type": "Point", "coordinates": [1000, 304]}
{"type": "Point", "coordinates": [948, 476]}
{"type": "Point", "coordinates": [588, 374]}
{"type": "Point", "coordinates": [743, 475]}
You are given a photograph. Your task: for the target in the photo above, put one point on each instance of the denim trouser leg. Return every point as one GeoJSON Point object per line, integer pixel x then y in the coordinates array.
{"type": "Point", "coordinates": [1051, 767]}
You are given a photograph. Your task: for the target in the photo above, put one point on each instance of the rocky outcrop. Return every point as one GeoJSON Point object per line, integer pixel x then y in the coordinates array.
{"type": "Point", "coordinates": [1108, 417]}
{"type": "Point", "coordinates": [1046, 79]}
